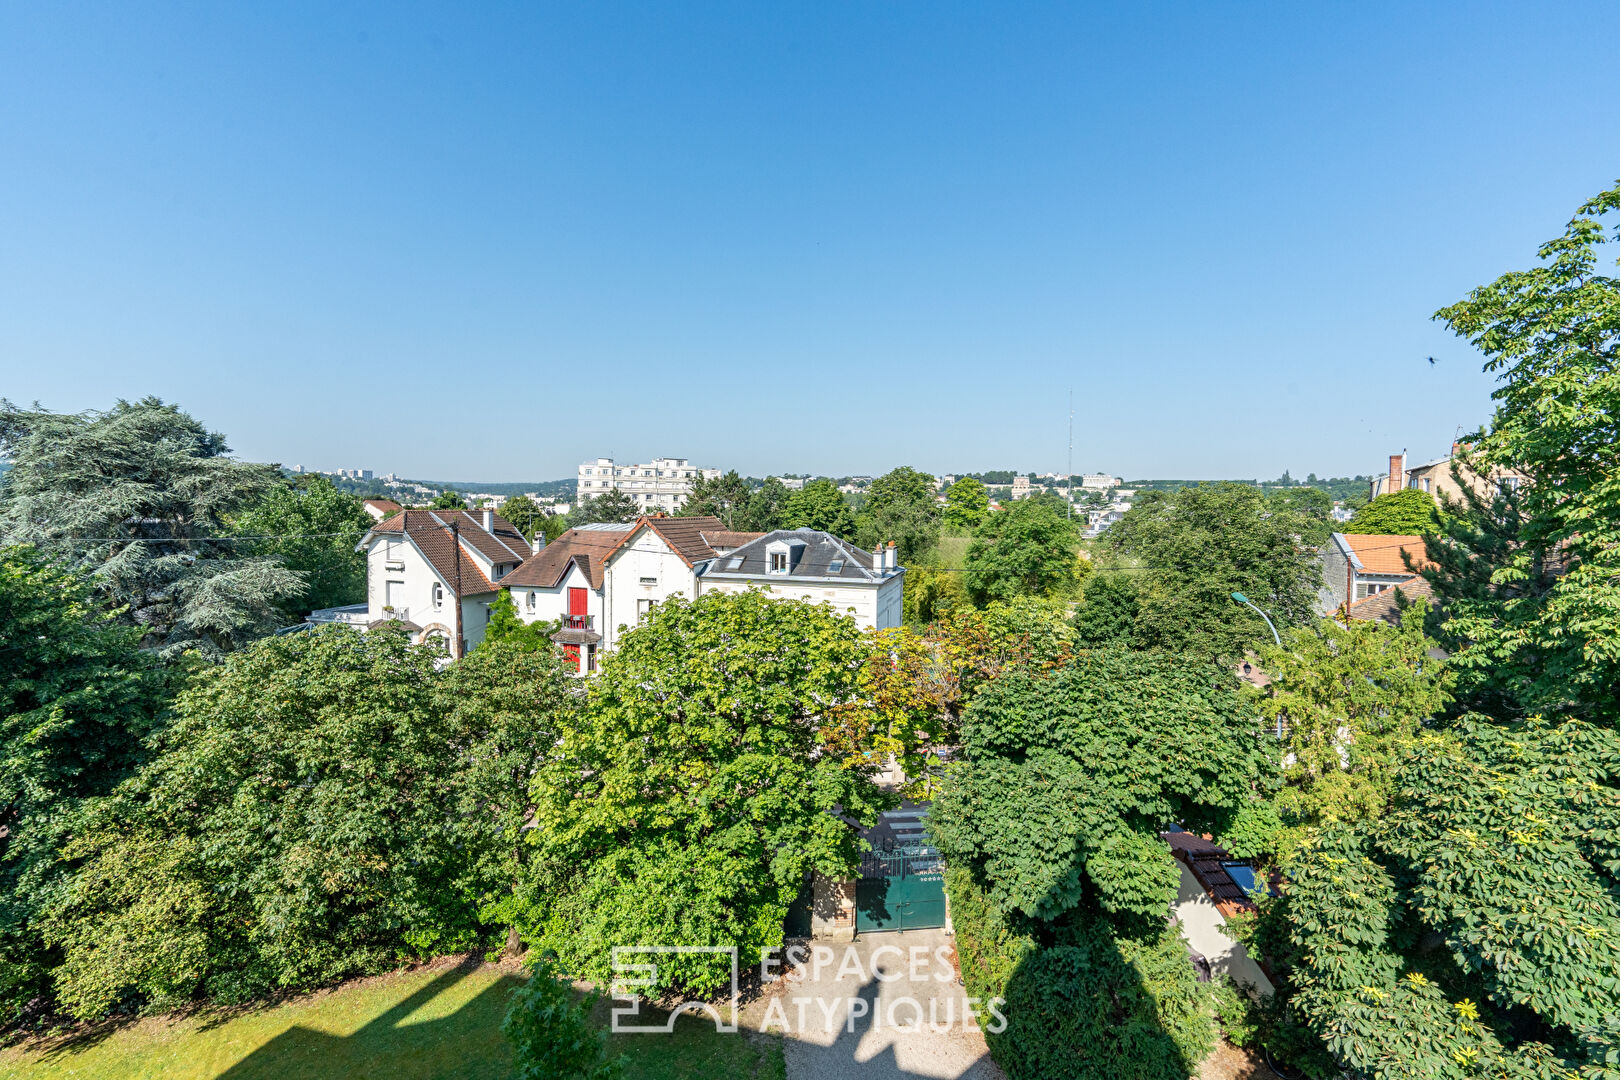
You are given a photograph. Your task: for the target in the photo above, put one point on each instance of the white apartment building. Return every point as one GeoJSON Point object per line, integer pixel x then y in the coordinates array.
{"type": "Point", "coordinates": [1099, 482]}
{"type": "Point", "coordinates": [660, 484]}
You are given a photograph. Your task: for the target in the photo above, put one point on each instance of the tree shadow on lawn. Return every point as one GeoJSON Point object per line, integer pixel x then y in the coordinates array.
{"type": "Point", "coordinates": [465, 1044]}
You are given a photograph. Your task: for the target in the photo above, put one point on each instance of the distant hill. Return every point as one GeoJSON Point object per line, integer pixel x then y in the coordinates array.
{"type": "Point", "coordinates": [551, 489]}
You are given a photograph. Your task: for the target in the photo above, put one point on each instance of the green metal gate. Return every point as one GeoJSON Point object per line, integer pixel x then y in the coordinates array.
{"type": "Point", "coordinates": [903, 889]}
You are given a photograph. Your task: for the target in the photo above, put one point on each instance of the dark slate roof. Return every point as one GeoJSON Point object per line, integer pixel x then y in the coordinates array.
{"type": "Point", "coordinates": [812, 552]}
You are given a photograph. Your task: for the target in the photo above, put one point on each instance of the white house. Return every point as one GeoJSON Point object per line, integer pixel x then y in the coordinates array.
{"type": "Point", "coordinates": [599, 580]}
{"type": "Point", "coordinates": [804, 564]}
{"type": "Point", "coordinates": [435, 572]}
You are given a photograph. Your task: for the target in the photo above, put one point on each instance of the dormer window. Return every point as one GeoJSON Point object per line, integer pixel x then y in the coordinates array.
{"type": "Point", "coordinates": [779, 562]}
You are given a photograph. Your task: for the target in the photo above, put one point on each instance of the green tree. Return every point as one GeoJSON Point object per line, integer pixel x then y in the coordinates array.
{"type": "Point", "coordinates": [819, 505]}
{"type": "Point", "coordinates": [1552, 335]}
{"type": "Point", "coordinates": [506, 626]}
{"type": "Point", "coordinates": [315, 529]}
{"type": "Point", "coordinates": [134, 497]}
{"type": "Point", "coordinates": [966, 504]}
{"type": "Point", "coordinates": [1351, 700]}
{"type": "Point", "coordinates": [77, 699]}
{"type": "Point", "coordinates": [767, 507]}
{"type": "Point", "coordinates": [610, 507]}
{"type": "Point", "coordinates": [306, 816]}
{"type": "Point", "coordinates": [1199, 545]}
{"type": "Point", "coordinates": [524, 514]}
{"type": "Point", "coordinates": [551, 1032]}
{"type": "Point", "coordinates": [448, 499]}
{"type": "Point", "coordinates": [1108, 611]}
{"type": "Point", "coordinates": [694, 796]}
{"type": "Point", "coordinates": [1027, 548]}
{"type": "Point", "coordinates": [1500, 840]}
{"type": "Point", "coordinates": [1311, 507]}
{"type": "Point", "coordinates": [725, 497]}
{"type": "Point", "coordinates": [1399, 513]}
{"type": "Point", "coordinates": [900, 507]}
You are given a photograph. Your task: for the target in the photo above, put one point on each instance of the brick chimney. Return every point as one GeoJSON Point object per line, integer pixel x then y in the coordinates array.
{"type": "Point", "coordinates": [1397, 473]}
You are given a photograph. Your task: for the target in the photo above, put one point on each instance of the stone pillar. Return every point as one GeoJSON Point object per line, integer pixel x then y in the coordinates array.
{"type": "Point", "coordinates": [832, 909]}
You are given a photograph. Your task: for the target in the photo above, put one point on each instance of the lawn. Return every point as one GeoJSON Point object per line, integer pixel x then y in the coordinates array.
{"type": "Point", "coordinates": [442, 1021]}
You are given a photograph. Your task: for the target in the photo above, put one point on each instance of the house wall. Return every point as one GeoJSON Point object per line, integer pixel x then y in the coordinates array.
{"type": "Point", "coordinates": [859, 602]}
{"type": "Point", "coordinates": [551, 604]}
{"type": "Point", "coordinates": [413, 598]}
{"type": "Point", "coordinates": [1335, 582]}
{"type": "Point", "coordinates": [645, 568]}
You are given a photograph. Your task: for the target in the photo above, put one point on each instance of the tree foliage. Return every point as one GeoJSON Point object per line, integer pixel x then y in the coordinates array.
{"type": "Point", "coordinates": [820, 505]}
{"type": "Point", "coordinates": [767, 507]}
{"type": "Point", "coordinates": [1409, 512]}
{"type": "Point", "coordinates": [1108, 611]}
{"type": "Point", "coordinates": [77, 699]}
{"type": "Point", "coordinates": [610, 507]}
{"type": "Point", "coordinates": [551, 1032]}
{"type": "Point", "coordinates": [1199, 545]}
{"type": "Point", "coordinates": [1027, 548]}
{"type": "Point", "coordinates": [133, 497]}
{"type": "Point", "coordinates": [1351, 701]}
{"type": "Point", "coordinates": [323, 804]}
{"type": "Point", "coordinates": [505, 626]}
{"type": "Point", "coordinates": [524, 514]}
{"type": "Point", "coordinates": [725, 497]}
{"type": "Point", "coordinates": [693, 795]}
{"type": "Point", "coordinates": [966, 504]}
{"type": "Point", "coordinates": [448, 499]}
{"type": "Point", "coordinates": [1552, 334]}
{"type": "Point", "coordinates": [311, 528]}
{"type": "Point", "coordinates": [900, 507]}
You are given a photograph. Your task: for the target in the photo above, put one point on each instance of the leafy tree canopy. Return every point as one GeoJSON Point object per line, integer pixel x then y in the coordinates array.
{"type": "Point", "coordinates": [1199, 545]}
{"type": "Point", "coordinates": [1027, 548]}
{"type": "Point", "coordinates": [448, 499]}
{"type": "Point", "coordinates": [506, 626]}
{"type": "Point", "coordinates": [132, 497]}
{"type": "Point", "coordinates": [966, 504]}
{"type": "Point", "coordinates": [693, 795]}
{"type": "Point", "coordinates": [1399, 513]}
{"type": "Point", "coordinates": [310, 813]}
{"type": "Point", "coordinates": [613, 507]}
{"type": "Point", "coordinates": [900, 507]}
{"type": "Point", "coordinates": [820, 505]}
{"type": "Point", "coordinates": [725, 497]}
{"type": "Point", "coordinates": [1108, 611]}
{"type": "Point", "coordinates": [524, 514]}
{"type": "Point", "coordinates": [314, 528]}
{"type": "Point", "coordinates": [767, 507]}
{"type": "Point", "coordinates": [1552, 334]}
{"type": "Point", "coordinates": [77, 699]}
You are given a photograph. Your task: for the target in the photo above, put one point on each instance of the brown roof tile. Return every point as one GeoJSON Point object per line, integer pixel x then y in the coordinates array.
{"type": "Point", "coordinates": [430, 531]}
{"type": "Point", "coordinates": [588, 547]}
{"type": "Point", "coordinates": [684, 535]}
{"type": "Point", "coordinates": [387, 506]}
{"type": "Point", "coordinates": [1382, 554]}
{"type": "Point", "coordinates": [726, 539]}
{"type": "Point", "coordinates": [1382, 605]}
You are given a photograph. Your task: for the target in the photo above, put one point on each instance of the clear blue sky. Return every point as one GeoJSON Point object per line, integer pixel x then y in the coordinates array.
{"type": "Point", "coordinates": [487, 241]}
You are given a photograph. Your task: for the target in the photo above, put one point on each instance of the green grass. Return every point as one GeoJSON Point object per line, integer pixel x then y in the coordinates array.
{"type": "Point", "coordinates": [441, 1022]}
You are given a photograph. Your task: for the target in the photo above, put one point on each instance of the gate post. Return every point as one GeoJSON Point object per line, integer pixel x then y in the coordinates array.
{"type": "Point", "coordinates": [832, 909]}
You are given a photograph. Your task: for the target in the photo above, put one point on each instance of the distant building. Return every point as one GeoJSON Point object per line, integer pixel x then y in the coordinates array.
{"type": "Point", "coordinates": [1434, 477]}
{"type": "Point", "coordinates": [660, 484]}
{"type": "Point", "coordinates": [1099, 482]}
{"type": "Point", "coordinates": [379, 509]}
{"type": "Point", "coordinates": [1356, 566]}
{"type": "Point", "coordinates": [1020, 487]}
{"type": "Point", "coordinates": [795, 483]}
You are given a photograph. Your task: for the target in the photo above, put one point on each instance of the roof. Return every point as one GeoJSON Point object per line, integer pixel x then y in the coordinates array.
{"type": "Point", "coordinates": [387, 506]}
{"type": "Point", "coordinates": [1378, 554]}
{"type": "Point", "coordinates": [684, 535]}
{"type": "Point", "coordinates": [1382, 606]}
{"type": "Point", "coordinates": [814, 559]}
{"type": "Point", "coordinates": [430, 531]}
{"type": "Point", "coordinates": [586, 545]}
{"type": "Point", "coordinates": [726, 539]}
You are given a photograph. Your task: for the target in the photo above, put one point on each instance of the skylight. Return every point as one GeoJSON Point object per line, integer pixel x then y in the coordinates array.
{"type": "Point", "coordinates": [836, 566]}
{"type": "Point", "coordinates": [736, 562]}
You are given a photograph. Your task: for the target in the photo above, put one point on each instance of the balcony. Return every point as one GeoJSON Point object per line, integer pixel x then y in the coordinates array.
{"type": "Point", "coordinates": [577, 622]}
{"type": "Point", "coordinates": [577, 630]}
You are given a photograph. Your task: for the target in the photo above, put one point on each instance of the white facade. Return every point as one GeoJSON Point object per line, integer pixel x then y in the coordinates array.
{"type": "Point", "coordinates": [1099, 482]}
{"type": "Point", "coordinates": [660, 484]}
{"type": "Point", "coordinates": [642, 573]}
{"type": "Point", "coordinates": [402, 585]}
{"type": "Point", "coordinates": [871, 607]}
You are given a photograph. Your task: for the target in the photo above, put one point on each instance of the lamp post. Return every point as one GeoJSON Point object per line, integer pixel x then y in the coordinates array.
{"type": "Point", "coordinates": [1240, 598]}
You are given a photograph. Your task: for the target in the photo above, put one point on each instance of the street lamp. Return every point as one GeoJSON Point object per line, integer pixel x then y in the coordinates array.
{"type": "Point", "coordinates": [1240, 598]}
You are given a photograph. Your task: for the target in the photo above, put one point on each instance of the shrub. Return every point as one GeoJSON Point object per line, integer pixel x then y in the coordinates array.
{"type": "Point", "coordinates": [552, 1035]}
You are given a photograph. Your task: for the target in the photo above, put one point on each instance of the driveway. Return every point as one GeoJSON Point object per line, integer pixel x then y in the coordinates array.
{"type": "Point", "coordinates": [886, 1005]}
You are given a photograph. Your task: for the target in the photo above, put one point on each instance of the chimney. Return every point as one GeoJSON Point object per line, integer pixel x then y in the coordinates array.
{"type": "Point", "coordinates": [1397, 473]}
{"type": "Point", "coordinates": [489, 521]}
{"type": "Point", "coordinates": [889, 556]}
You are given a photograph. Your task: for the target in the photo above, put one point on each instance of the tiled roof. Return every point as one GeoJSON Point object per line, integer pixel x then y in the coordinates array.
{"type": "Point", "coordinates": [588, 547]}
{"type": "Point", "coordinates": [387, 506]}
{"type": "Point", "coordinates": [725, 540]}
{"type": "Point", "coordinates": [1382, 554]}
{"type": "Point", "coordinates": [430, 531]}
{"type": "Point", "coordinates": [684, 535]}
{"type": "Point", "coordinates": [503, 544]}
{"type": "Point", "coordinates": [1382, 605]}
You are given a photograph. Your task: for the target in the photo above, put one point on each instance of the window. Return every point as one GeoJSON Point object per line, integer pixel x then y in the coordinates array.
{"type": "Point", "coordinates": [649, 581]}
{"type": "Point", "coordinates": [1242, 875]}
{"type": "Point", "coordinates": [393, 594]}
{"type": "Point", "coordinates": [778, 562]}
{"type": "Point", "coordinates": [643, 609]}
{"type": "Point", "coordinates": [1371, 588]}
{"type": "Point", "coordinates": [590, 658]}
{"type": "Point", "coordinates": [528, 602]}
{"type": "Point", "coordinates": [438, 596]}
{"type": "Point", "coordinates": [836, 566]}
{"type": "Point", "coordinates": [735, 563]}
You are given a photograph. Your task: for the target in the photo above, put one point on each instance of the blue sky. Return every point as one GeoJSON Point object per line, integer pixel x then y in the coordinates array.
{"type": "Point", "coordinates": [489, 241]}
